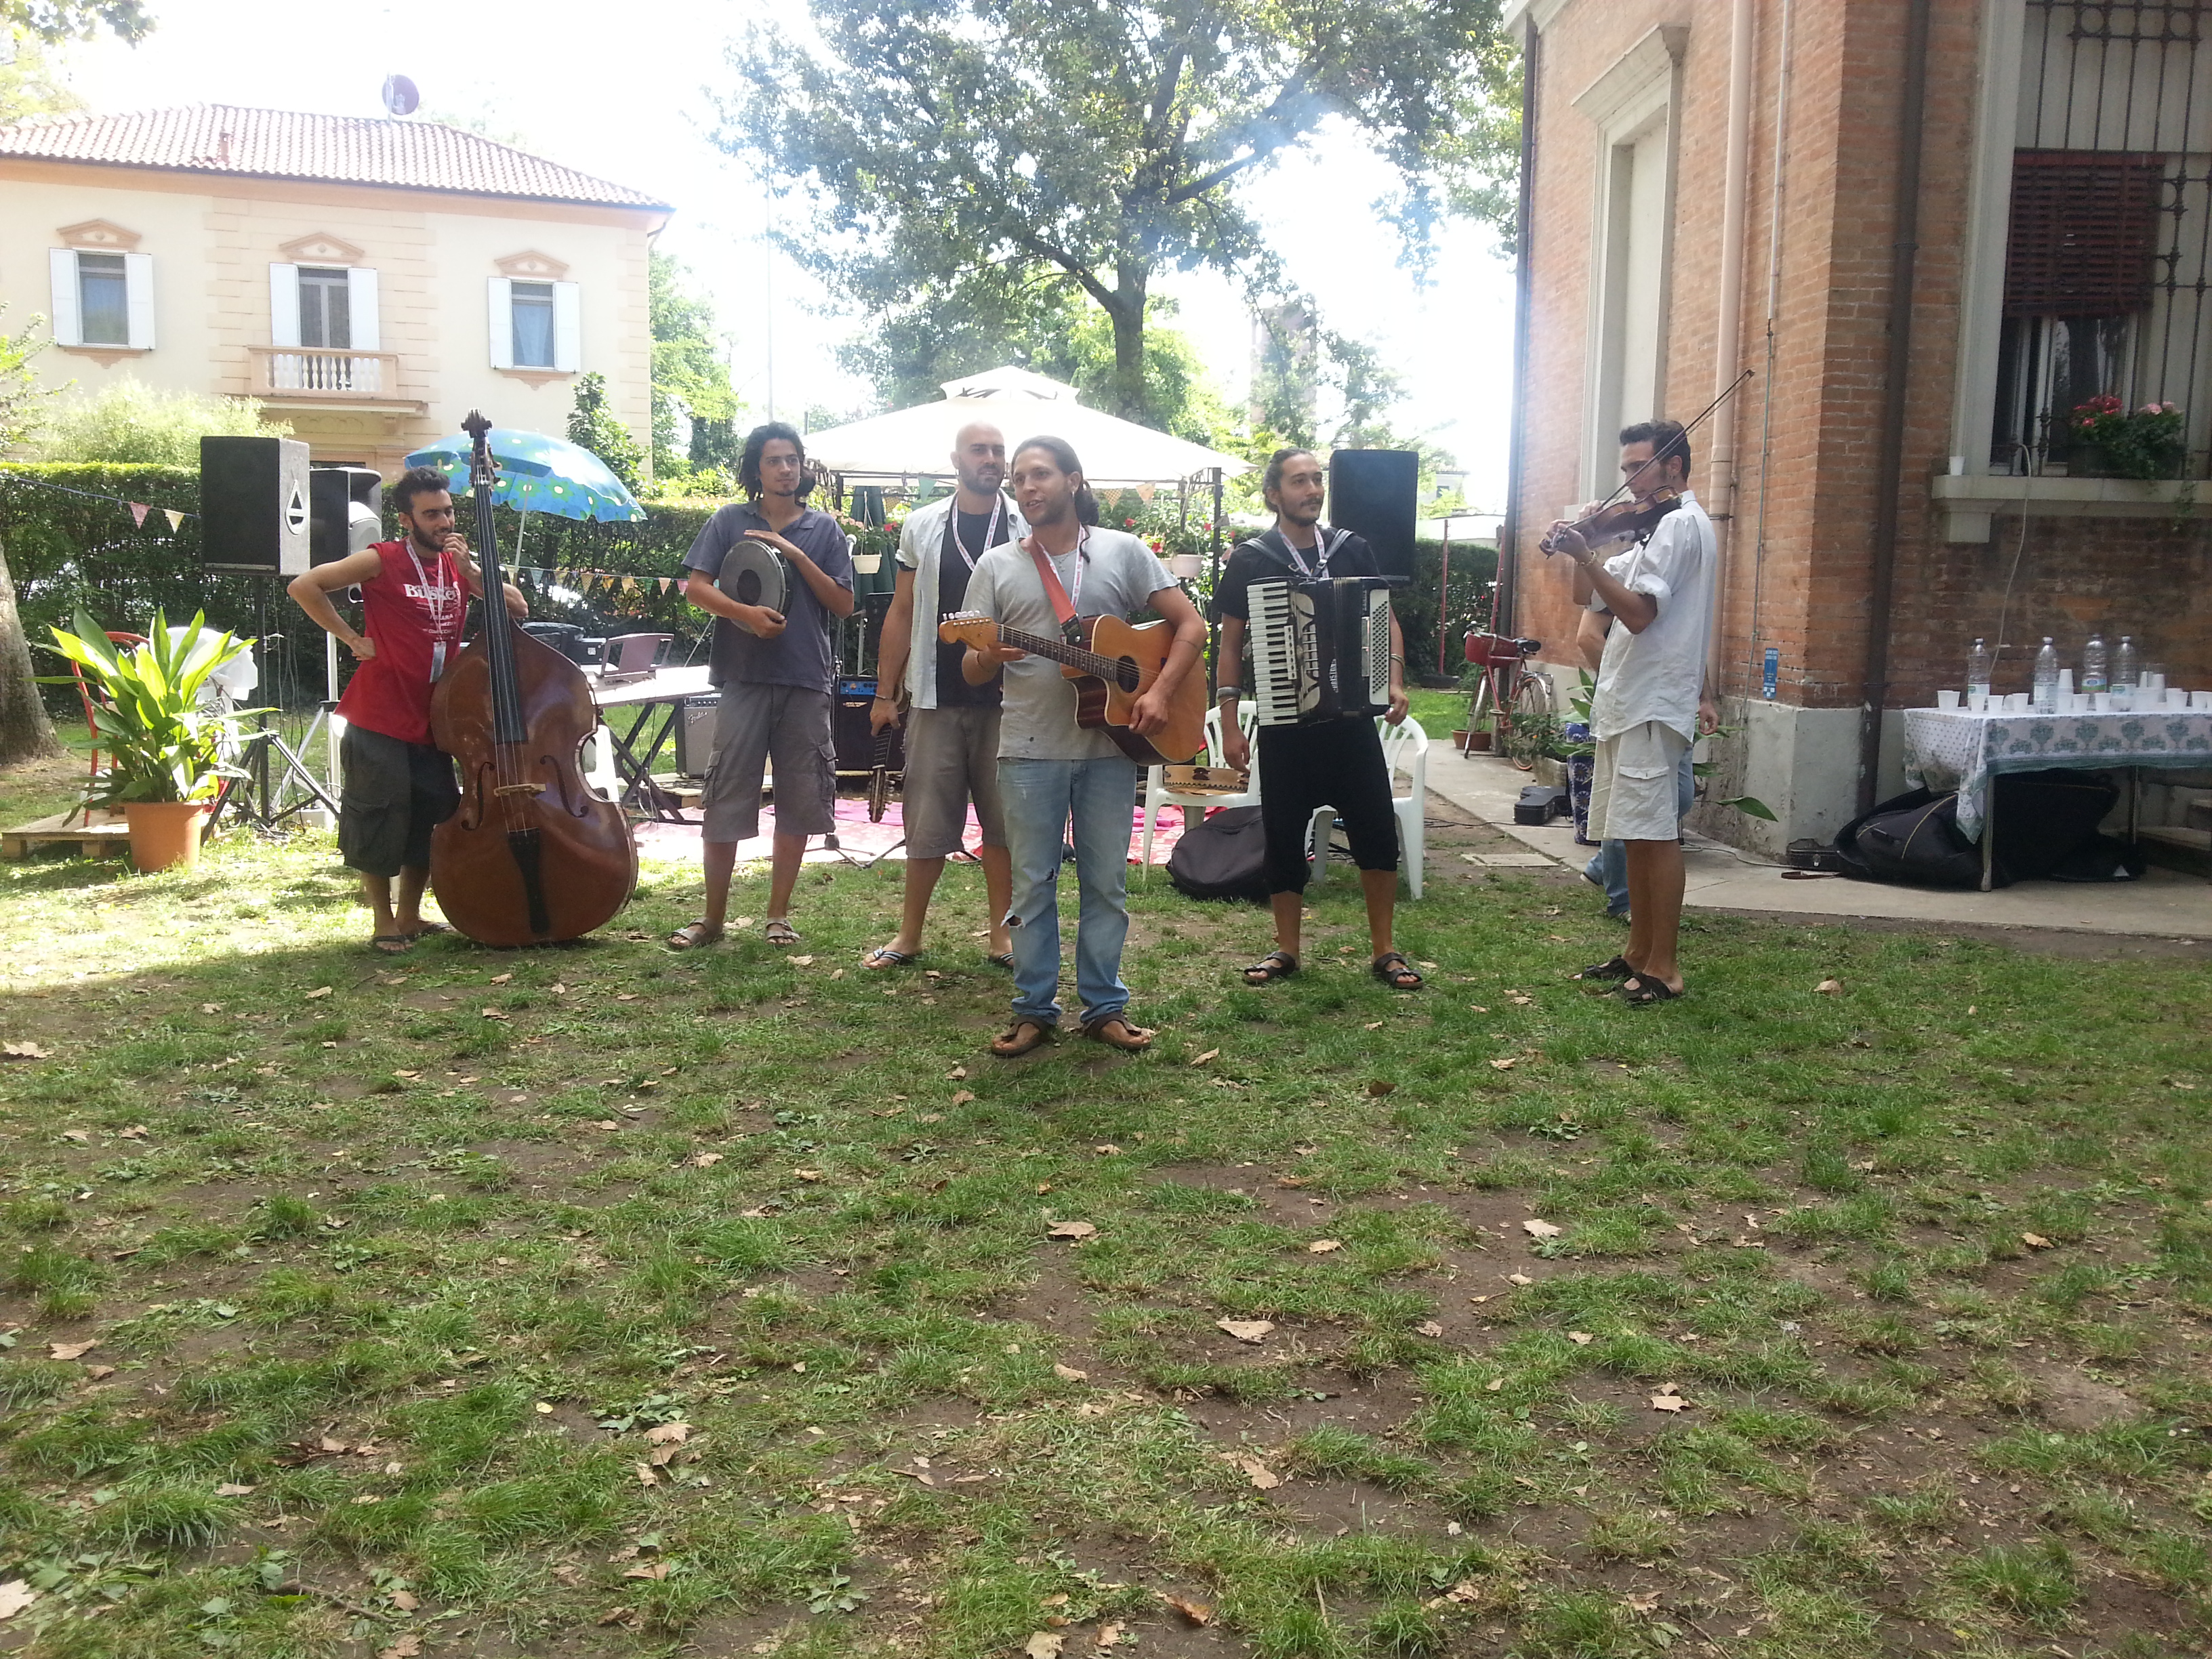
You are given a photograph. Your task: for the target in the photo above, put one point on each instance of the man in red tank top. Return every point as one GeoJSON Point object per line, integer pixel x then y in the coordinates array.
{"type": "Point", "coordinates": [398, 784]}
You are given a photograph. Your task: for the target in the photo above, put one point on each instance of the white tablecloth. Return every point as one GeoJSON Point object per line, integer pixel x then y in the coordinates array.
{"type": "Point", "coordinates": [1958, 748]}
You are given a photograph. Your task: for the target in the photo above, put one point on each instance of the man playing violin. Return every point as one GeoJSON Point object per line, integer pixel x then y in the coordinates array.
{"type": "Point", "coordinates": [776, 676]}
{"type": "Point", "coordinates": [1644, 712]}
{"type": "Point", "coordinates": [398, 786]}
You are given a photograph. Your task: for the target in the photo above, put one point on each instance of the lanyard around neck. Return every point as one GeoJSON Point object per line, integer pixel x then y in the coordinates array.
{"type": "Point", "coordinates": [438, 598]}
{"type": "Point", "coordinates": [1321, 547]}
{"type": "Point", "coordinates": [990, 533]}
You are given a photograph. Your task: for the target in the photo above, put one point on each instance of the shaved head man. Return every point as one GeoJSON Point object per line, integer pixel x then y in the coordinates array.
{"type": "Point", "coordinates": [952, 726]}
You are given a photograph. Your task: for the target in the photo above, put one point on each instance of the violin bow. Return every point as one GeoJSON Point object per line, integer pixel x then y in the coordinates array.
{"type": "Point", "coordinates": [1679, 438]}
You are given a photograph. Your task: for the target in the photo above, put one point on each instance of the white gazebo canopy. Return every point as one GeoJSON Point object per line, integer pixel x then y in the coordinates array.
{"type": "Point", "coordinates": [908, 442]}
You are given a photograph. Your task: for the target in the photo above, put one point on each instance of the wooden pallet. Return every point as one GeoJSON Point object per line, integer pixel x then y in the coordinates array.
{"type": "Point", "coordinates": [94, 835]}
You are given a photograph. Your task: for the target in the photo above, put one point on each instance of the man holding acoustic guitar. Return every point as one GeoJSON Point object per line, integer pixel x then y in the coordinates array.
{"type": "Point", "coordinates": [1087, 697]}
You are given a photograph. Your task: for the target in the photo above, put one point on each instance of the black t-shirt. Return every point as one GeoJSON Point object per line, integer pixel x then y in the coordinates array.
{"type": "Point", "coordinates": [1266, 558]}
{"type": "Point", "coordinates": [953, 690]}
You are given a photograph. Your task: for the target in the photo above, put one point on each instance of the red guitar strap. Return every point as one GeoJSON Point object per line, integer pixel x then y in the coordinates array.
{"type": "Point", "coordinates": [1055, 595]}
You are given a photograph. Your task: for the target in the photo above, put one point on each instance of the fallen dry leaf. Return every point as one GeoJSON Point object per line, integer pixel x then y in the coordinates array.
{"type": "Point", "coordinates": [1045, 1645]}
{"type": "Point", "coordinates": [1519, 1278]}
{"type": "Point", "coordinates": [1324, 1246]}
{"type": "Point", "coordinates": [1069, 1374]}
{"type": "Point", "coordinates": [1263, 1478]}
{"type": "Point", "coordinates": [1646, 1604]}
{"type": "Point", "coordinates": [1428, 1328]}
{"type": "Point", "coordinates": [658, 1569]}
{"type": "Point", "coordinates": [1211, 1054]}
{"type": "Point", "coordinates": [1247, 1330]}
{"type": "Point", "coordinates": [1372, 1026]}
{"type": "Point", "coordinates": [2035, 1240]}
{"type": "Point", "coordinates": [501, 979]}
{"type": "Point", "coordinates": [802, 962]}
{"type": "Point", "coordinates": [232, 1489]}
{"type": "Point", "coordinates": [1666, 1399]}
{"type": "Point", "coordinates": [70, 1350]}
{"type": "Point", "coordinates": [82, 1137]}
{"type": "Point", "coordinates": [1581, 1339]}
{"type": "Point", "coordinates": [1505, 1064]}
{"type": "Point", "coordinates": [98, 1372]}
{"type": "Point", "coordinates": [1109, 1636]}
{"type": "Point", "coordinates": [705, 1160]}
{"type": "Point", "coordinates": [1537, 1229]}
{"type": "Point", "coordinates": [1197, 1612]}
{"type": "Point", "coordinates": [808, 1175]}
{"type": "Point", "coordinates": [962, 1097]}
{"type": "Point", "coordinates": [319, 991]}
{"type": "Point", "coordinates": [647, 1475]}
{"type": "Point", "coordinates": [1830, 987]}
{"type": "Point", "coordinates": [668, 1434]}
{"type": "Point", "coordinates": [14, 1596]}
{"type": "Point", "coordinates": [1107, 1149]}
{"type": "Point", "coordinates": [24, 1051]}
{"type": "Point", "coordinates": [1070, 1230]}
{"type": "Point", "coordinates": [493, 1013]}
{"type": "Point", "coordinates": [956, 1075]}
{"type": "Point", "coordinates": [407, 1647]}
{"type": "Point", "coordinates": [404, 1601]}
{"type": "Point", "coordinates": [1382, 1086]}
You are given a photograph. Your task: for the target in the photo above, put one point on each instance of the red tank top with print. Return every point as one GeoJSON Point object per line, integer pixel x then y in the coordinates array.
{"type": "Point", "coordinates": [415, 605]}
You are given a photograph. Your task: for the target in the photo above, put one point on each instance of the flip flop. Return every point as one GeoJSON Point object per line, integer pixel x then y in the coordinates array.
{"type": "Point", "coordinates": [780, 933]}
{"type": "Point", "coordinates": [427, 929]}
{"type": "Point", "coordinates": [1004, 959]}
{"type": "Point", "coordinates": [883, 956]}
{"type": "Point", "coordinates": [1133, 1039]}
{"type": "Point", "coordinates": [392, 944]}
{"type": "Point", "coordinates": [1641, 991]}
{"type": "Point", "coordinates": [1020, 1038]}
{"type": "Point", "coordinates": [1616, 968]}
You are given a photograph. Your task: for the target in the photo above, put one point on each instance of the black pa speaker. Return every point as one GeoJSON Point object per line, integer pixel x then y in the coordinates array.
{"type": "Point", "coordinates": [1374, 492]}
{"type": "Point", "coordinates": [345, 508]}
{"type": "Point", "coordinates": [254, 512]}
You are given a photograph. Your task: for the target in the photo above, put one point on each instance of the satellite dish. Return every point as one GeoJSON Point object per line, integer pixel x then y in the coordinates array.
{"type": "Point", "coordinates": [400, 96]}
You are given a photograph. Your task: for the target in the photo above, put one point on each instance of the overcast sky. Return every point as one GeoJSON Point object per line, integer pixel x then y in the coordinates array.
{"type": "Point", "coordinates": [622, 95]}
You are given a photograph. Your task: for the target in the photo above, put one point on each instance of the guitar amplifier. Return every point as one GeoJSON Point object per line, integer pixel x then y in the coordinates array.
{"type": "Point", "coordinates": [695, 734]}
{"type": "Point", "coordinates": [848, 728]}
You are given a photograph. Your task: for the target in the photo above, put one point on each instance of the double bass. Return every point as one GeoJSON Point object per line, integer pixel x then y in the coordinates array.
{"type": "Point", "coordinates": [533, 856]}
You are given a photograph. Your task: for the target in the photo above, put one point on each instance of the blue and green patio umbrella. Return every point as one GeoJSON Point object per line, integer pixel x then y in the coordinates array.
{"type": "Point", "coordinates": [537, 474]}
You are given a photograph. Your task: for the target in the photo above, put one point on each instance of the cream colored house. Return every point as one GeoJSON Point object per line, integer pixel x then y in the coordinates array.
{"type": "Point", "coordinates": [371, 280]}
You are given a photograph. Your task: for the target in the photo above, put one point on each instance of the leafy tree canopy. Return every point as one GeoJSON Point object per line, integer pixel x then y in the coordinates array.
{"type": "Point", "coordinates": [593, 426]}
{"type": "Point", "coordinates": [22, 398]}
{"type": "Point", "coordinates": [995, 144]}
{"type": "Point", "coordinates": [76, 20]}
{"type": "Point", "coordinates": [29, 86]}
{"type": "Point", "coordinates": [688, 365]}
{"type": "Point", "coordinates": [131, 423]}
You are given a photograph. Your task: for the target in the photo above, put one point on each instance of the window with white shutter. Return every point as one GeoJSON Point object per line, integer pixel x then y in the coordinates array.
{"type": "Point", "coordinates": [500, 322]}
{"type": "Point", "coordinates": [69, 322]}
{"type": "Point", "coordinates": [568, 327]}
{"type": "Point", "coordinates": [138, 289]}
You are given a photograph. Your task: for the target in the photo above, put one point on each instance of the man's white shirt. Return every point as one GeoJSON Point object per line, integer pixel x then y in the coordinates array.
{"type": "Point", "coordinates": [1656, 675]}
{"type": "Point", "coordinates": [921, 545]}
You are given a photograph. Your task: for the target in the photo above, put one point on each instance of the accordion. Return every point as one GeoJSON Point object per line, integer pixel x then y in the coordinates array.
{"type": "Point", "coordinates": [1320, 650]}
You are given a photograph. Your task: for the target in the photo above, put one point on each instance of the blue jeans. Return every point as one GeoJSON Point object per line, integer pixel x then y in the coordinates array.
{"type": "Point", "coordinates": [1609, 868]}
{"type": "Point", "coordinates": [1039, 797]}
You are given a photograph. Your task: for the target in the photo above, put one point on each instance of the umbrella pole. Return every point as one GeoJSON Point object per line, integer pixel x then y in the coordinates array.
{"type": "Point", "coordinates": [1213, 582]}
{"type": "Point", "coordinates": [1443, 594]}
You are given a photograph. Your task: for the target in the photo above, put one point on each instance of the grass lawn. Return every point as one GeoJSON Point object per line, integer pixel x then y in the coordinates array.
{"type": "Point", "coordinates": [600, 1301]}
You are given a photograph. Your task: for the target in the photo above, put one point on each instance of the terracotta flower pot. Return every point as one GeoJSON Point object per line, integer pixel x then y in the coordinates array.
{"type": "Point", "coordinates": [164, 833]}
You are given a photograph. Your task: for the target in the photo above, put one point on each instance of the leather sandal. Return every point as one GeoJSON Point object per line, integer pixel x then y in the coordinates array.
{"type": "Point", "coordinates": [1020, 1038]}
{"type": "Point", "coordinates": [1394, 971]}
{"type": "Point", "coordinates": [1276, 964]}
{"type": "Point", "coordinates": [1643, 990]}
{"type": "Point", "coordinates": [693, 935]}
{"type": "Point", "coordinates": [1134, 1038]}
{"type": "Point", "coordinates": [1618, 967]}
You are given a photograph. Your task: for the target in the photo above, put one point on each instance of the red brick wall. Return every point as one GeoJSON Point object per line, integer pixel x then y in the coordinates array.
{"type": "Point", "coordinates": [1800, 583]}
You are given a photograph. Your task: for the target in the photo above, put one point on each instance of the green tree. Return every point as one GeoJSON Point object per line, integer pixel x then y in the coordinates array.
{"type": "Point", "coordinates": [593, 426]}
{"type": "Point", "coordinates": [997, 143]}
{"type": "Point", "coordinates": [132, 424]}
{"type": "Point", "coordinates": [28, 86]}
{"type": "Point", "coordinates": [25, 731]}
{"type": "Point", "coordinates": [688, 365]}
{"type": "Point", "coordinates": [50, 20]}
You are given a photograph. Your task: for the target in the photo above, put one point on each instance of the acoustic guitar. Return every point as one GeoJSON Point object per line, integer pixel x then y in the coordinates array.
{"type": "Point", "coordinates": [1115, 664]}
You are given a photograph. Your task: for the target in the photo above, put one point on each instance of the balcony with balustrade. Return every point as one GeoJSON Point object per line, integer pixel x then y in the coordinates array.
{"type": "Point", "coordinates": [316, 377]}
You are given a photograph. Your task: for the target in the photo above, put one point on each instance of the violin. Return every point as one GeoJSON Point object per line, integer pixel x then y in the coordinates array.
{"type": "Point", "coordinates": [1622, 521]}
{"type": "Point", "coordinates": [534, 855]}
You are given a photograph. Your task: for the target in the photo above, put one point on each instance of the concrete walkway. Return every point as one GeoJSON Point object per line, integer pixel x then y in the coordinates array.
{"type": "Point", "coordinates": [2163, 904]}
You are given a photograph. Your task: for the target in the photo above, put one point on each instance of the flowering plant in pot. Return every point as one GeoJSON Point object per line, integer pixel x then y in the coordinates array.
{"type": "Point", "coordinates": [2112, 440]}
{"type": "Point", "coordinates": [164, 750]}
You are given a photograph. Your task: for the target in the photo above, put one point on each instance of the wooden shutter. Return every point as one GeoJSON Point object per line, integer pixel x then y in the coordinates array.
{"type": "Point", "coordinates": [138, 287]}
{"type": "Point", "coordinates": [2085, 233]}
{"type": "Point", "coordinates": [68, 311]}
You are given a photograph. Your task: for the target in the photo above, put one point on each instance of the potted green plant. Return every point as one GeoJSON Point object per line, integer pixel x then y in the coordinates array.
{"type": "Point", "coordinates": [2111, 440]}
{"type": "Point", "coordinates": [164, 751]}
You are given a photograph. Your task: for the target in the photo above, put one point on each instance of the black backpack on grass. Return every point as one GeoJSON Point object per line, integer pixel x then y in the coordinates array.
{"type": "Point", "coordinates": [2046, 827]}
{"type": "Point", "coordinates": [1223, 857]}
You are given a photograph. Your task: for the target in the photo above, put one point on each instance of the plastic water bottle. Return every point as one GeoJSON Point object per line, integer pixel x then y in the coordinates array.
{"type": "Point", "coordinates": [2126, 668]}
{"type": "Point", "coordinates": [1979, 665]}
{"type": "Point", "coordinates": [2092, 665]}
{"type": "Point", "coordinates": [2047, 679]}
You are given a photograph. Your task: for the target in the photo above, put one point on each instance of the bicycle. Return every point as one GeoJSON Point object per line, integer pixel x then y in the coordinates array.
{"type": "Point", "coordinates": [1512, 712]}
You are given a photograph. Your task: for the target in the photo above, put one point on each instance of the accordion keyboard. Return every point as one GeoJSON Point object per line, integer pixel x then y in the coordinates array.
{"type": "Point", "coordinates": [1285, 683]}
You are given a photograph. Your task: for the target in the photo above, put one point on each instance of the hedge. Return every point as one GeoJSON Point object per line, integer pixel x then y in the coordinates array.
{"type": "Point", "coordinates": [69, 550]}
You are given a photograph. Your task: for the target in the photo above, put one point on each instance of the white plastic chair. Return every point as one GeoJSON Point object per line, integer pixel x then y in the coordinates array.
{"type": "Point", "coordinates": [1158, 794]}
{"type": "Point", "coordinates": [1404, 748]}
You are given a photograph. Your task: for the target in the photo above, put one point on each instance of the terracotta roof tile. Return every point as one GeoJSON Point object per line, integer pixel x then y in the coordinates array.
{"type": "Point", "coordinates": [276, 144]}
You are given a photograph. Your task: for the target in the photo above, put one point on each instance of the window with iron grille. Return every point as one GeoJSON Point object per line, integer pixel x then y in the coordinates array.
{"type": "Point", "coordinates": [2108, 264]}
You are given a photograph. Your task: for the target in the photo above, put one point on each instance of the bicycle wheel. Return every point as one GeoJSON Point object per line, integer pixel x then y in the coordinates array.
{"type": "Point", "coordinates": [1530, 726]}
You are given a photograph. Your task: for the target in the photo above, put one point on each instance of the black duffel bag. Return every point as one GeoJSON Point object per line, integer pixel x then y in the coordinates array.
{"type": "Point", "coordinates": [1224, 856]}
{"type": "Point", "coordinates": [2044, 820]}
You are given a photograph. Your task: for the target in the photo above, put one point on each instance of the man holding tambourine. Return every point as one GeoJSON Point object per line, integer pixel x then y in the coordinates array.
{"type": "Point", "coordinates": [774, 573]}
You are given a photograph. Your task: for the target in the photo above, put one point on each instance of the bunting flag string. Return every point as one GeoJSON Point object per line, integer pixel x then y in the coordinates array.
{"type": "Point", "coordinates": [137, 509]}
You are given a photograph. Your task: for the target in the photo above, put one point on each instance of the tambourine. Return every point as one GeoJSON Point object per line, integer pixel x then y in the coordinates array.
{"type": "Point", "coordinates": [753, 572]}
{"type": "Point", "coordinates": [1204, 779]}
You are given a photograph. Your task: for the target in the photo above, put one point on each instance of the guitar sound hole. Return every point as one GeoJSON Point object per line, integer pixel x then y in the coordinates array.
{"type": "Point", "coordinates": [1126, 675]}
